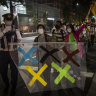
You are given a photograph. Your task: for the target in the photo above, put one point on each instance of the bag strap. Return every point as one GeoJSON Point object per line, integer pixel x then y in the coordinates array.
{"type": "Point", "coordinates": [61, 31]}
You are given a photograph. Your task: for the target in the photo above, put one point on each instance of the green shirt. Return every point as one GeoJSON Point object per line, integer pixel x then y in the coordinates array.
{"type": "Point", "coordinates": [73, 47]}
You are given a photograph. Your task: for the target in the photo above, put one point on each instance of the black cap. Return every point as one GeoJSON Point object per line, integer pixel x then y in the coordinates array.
{"type": "Point", "coordinates": [8, 16]}
{"type": "Point", "coordinates": [41, 25]}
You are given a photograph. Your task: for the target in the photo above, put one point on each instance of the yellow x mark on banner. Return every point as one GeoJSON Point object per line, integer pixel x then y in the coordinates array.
{"type": "Point", "coordinates": [37, 75]}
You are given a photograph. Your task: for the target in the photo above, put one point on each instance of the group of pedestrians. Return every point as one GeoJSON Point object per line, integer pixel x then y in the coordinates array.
{"type": "Point", "coordinates": [61, 32]}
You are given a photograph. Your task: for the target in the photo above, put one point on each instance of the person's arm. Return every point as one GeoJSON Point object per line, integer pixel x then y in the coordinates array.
{"type": "Point", "coordinates": [67, 37]}
{"type": "Point", "coordinates": [18, 35]}
{"type": "Point", "coordinates": [80, 30]}
{"type": "Point", "coordinates": [1, 34]}
{"type": "Point", "coordinates": [8, 28]}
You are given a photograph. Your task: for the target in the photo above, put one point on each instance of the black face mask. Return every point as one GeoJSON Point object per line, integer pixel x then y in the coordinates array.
{"type": "Point", "coordinates": [57, 26]}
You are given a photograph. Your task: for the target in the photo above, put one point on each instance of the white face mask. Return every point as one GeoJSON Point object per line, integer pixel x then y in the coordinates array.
{"type": "Point", "coordinates": [84, 32]}
{"type": "Point", "coordinates": [69, 30]}
{"type": "Point", "coordinates": [40, 31]}
{"type": "Point", "coordinates": [8, 23]}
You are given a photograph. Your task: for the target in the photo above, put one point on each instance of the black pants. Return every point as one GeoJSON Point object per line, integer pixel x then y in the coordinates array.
{"type": "Point", "coordinates": [92, 39]}
{"type": "Point", "coordinates": [5, 60]}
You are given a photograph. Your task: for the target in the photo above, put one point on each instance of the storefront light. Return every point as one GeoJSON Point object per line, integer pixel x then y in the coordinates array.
{"type": "Point", "coordinates": [5, 8]}
{"type": "Point", "coordinates": [51, 19]}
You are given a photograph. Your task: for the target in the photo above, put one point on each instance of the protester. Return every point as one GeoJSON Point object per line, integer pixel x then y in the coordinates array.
{"type": "Point", "coordinates": [62, 20]}
{"type": "Point", "coordinates": [43, 38]}
{"type": "Point", "coordinates": [58, 33]}
{"type": "Point", "coordinates": [63, 27]}
{"type": "Point", "coordinates": [73, 36]}
{"type": "Point", "coordinates": [71, 31]}
{"type": "Point", "coordinates": [92, 33]}
{"type": "Point", "coordinates": [57, 23]}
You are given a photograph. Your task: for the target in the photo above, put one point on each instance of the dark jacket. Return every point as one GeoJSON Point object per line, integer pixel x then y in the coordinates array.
{"type": "Point", "coordinates": [47, 38]}
{"type": "Point", "coordinates": [8, 36]}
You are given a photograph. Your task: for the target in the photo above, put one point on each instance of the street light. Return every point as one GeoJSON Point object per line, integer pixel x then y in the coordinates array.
{"type": "Point", "coordinates": [77, 8]}
{"type": "Point", "coordinates": [77, 4]}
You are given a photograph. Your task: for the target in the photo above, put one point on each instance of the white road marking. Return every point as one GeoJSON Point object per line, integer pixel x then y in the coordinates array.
{"type": "Point", "coordinates": [87, 74]}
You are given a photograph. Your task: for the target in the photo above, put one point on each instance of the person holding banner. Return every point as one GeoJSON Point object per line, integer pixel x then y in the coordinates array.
{"type": "Point", "coordinates": [76, 34]}
{"type": "Point", "coordinates": [43, 38]}
{"type": "Point", "coordinates": [9, 35]}
{"type": "Point", "coordinates": [73, 36]}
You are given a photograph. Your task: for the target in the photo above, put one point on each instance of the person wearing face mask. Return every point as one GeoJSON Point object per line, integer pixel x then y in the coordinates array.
{"type": "Point", "coordinates": [73, 36]}
{"type": "Point", "coordinates": [70, 29]}
{"type": "Point", "coordinates": [92, 34]}
{"type": "Point", "coordinates": [76, 34]}
{"type": "Point", "coordinates": [8, 36]}
{"type": "Point", "coordinates": [58, 33]}
{"type": "Point", "coordinates": [43, 38]}
{"type": "Point", "coordinates": [57, 23]}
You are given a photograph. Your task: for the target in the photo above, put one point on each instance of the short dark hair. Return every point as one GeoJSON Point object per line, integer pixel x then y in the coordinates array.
{"type": "Point", "coordinates": [72, 27]}
{"type": "Point", "coordinates": [41, 25]}
{"type": "Point", "coordinates": [59, 22]}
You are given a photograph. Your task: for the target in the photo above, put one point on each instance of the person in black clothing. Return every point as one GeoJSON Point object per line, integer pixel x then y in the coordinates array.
{"type": "Point", "coordinates": [8, 36]}
{"type": "Point", "coordinates": [43, 38]}
{"type": "Point", "coordinates": [92, 39]}
{"type": "Point", "coordinates": [58, 33]}
{"type": "Point", "coordinates": [92, 31]}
